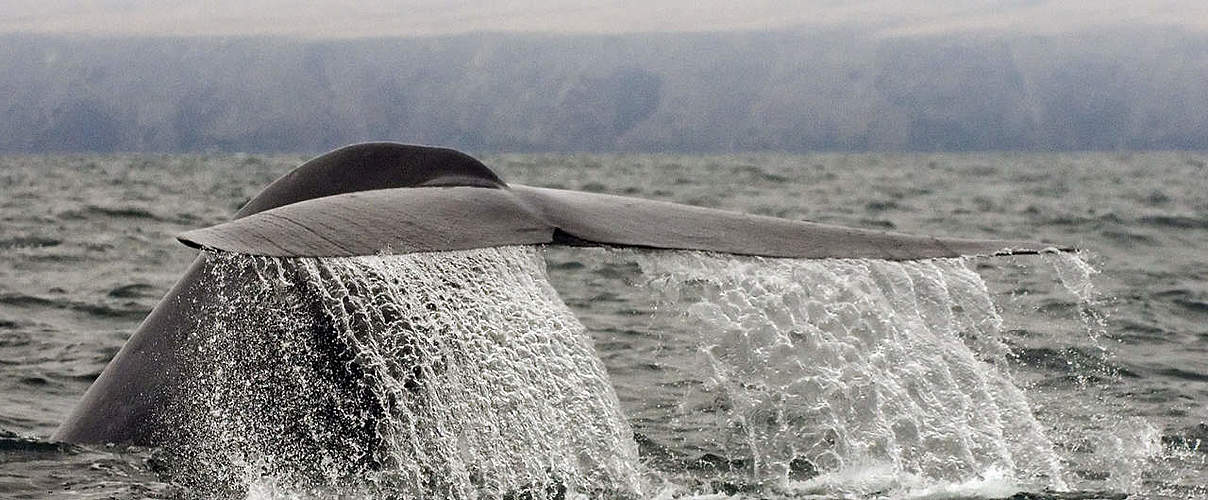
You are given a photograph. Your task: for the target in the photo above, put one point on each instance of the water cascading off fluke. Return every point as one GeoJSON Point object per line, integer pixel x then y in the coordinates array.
{"type": "Point", "coordinates": [848, 369]}
{"type": "Point", "coordinates": [458, 374]}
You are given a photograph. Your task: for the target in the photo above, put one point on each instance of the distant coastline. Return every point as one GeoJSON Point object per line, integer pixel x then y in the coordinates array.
{"type": "Point", "coordinates": [791, 90]}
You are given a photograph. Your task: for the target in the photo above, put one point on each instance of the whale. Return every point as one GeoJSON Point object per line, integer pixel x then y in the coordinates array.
{"type": "Point", "coordinates": [389, 198]}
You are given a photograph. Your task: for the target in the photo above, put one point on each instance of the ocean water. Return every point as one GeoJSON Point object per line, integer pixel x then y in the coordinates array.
{"type": "Point", "coordinates": [621, 373]}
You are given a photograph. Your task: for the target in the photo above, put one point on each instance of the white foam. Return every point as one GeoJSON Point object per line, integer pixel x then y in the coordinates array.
{"type": "Point", "coordinates": [873, 377]}
{"type": "Point", "coordinates": [844, 363]}
{"type": "Point", "coordinates": [464, 376]}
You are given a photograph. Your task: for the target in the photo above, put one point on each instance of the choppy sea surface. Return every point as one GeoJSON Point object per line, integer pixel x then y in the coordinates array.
{"type": "Point", "coordinates": [700, 376]}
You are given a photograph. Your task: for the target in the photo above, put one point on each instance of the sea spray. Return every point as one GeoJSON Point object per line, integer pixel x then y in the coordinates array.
{"type": "Point", "coordinates": [443, 375]}
{"type": "Point", "coordinates": [1076, 275]}
{"type": "Point", "coordinates": [1123, 447]}
{"type": "Point", "coordinates": [825, 370]}
{"type": "Point", "coordinates": [462, 374]}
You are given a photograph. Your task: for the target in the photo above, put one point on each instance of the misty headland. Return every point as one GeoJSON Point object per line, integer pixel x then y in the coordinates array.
{"type": "Point", "coordinates": [794, 90]}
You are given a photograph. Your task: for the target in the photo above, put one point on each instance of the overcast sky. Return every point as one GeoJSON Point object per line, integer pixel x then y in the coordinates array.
{"type": "Point", "coordinates": [329, 18]}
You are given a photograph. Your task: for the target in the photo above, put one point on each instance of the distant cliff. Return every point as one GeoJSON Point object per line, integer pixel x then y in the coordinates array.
{"type": "Point", "coordinates": [791, 91]}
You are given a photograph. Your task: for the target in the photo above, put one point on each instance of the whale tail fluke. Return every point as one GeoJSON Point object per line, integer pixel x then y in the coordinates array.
{"type": "Point", "coordinates": [383, 198]}
{"type": "Point", "coordinates": [391, 198]}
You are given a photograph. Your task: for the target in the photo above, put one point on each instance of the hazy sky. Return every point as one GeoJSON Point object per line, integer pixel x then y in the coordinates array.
{"type": "Point", "coordinates": [329, 18]}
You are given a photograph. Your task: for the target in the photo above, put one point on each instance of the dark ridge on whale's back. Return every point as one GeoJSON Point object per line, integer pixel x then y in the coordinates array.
{"type": "Point", "coordinates": [373, 165]}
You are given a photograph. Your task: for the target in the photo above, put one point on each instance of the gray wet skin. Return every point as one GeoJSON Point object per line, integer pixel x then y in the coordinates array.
{"type": "Point", "coordinates": [375, 198]}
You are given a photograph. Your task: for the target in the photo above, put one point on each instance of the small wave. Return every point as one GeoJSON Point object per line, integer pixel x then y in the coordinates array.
{"type": "Point", "coordinates": [126, 212]}
{"type": "Point", "coordinates": [1156, 197]}
{"type": "Point", "coordinates": [1188, 300]}
{"type": "Point", "coordinates": [134, 291]}
{"type": "Point", "coordinates": [11, 442]}
{"type": "Point", "coordinates": [22, 300]}
{"type": "Point", "coordinates": [878, 223]}
{"type": "Point", "coordinates": [29, 242]}
{"type": "Point", "coordinates": [1078, 220]}
{"type": "Point", "coordinates": [1070, 360]}
{"type": "Point", "coordinates": [1127, 237]}
{"type": "Point", "coordinates": [1194, 438]}
{"type": "Point", "coordinates": [1198, 306]}
{"type": "Point", "coordinates": [1067, 220]}
{"type": "Point", "coordinates": [1056, 305]}
{"type": "Point", "coordinates": [110, 312]}
{"type": "Point", "coordinates": [58, 258]}
{"type": "Point", "coordinates": [1183, 374]}
{"type": "Point", "coordinates": [1140, 330]}
{"type": "Point", "coordinates": [571, 265]}
{"type": "Point", "coordinates": [758, 173]}
{"type": "Point", "coordinates": [94, 210]}
{"type": "Point", "coordinates": [882, 206]}
{"type": "Point", "coordinates": [1176, 221]}
{"type": "Point", "coordinates": [35, 381]}
{"type": "Point", "coordinates": [135, 212]}
{"type": "Point", "coordinates": [87, 377]}
{"type": "Point", "coordinates": [1175, 293]}
{"type": "Point", "coordinates": [1066, 495]}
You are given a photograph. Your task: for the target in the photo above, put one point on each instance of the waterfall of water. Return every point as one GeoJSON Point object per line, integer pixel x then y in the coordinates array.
{"type": "Point", "coordinates": [851, 369]}
{"type": "Point", "coordinates": [453, 374]}
{"type": "Point", "coordinates": [462, 374]}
